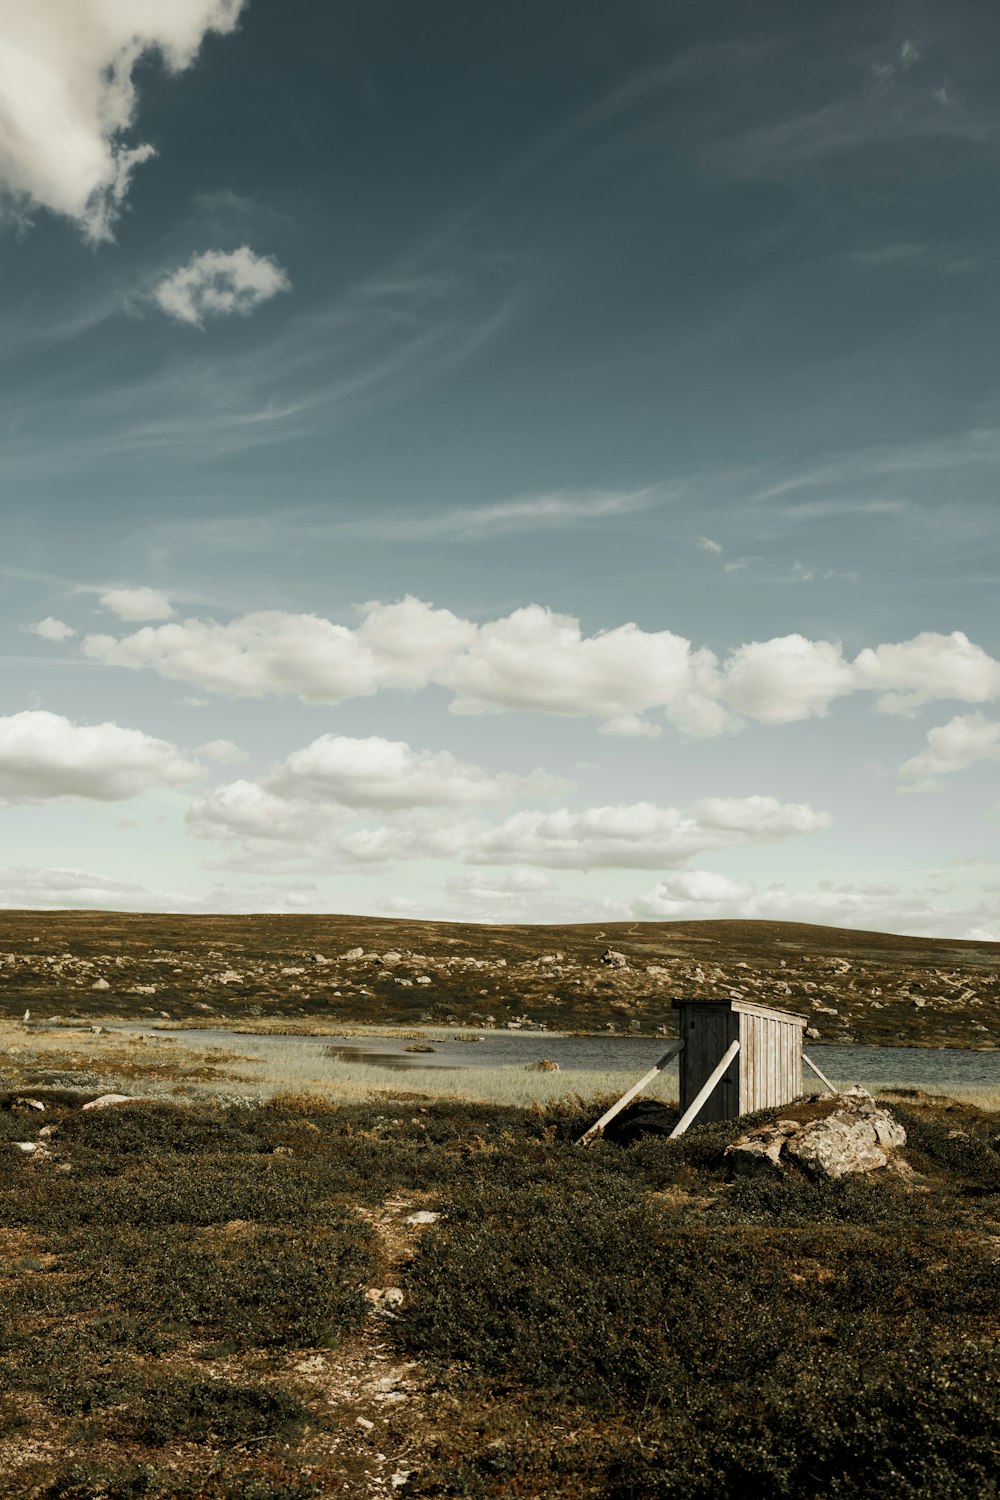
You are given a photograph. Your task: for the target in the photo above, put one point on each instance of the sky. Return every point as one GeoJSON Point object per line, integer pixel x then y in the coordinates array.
{"type": "Point", "coordinates": [501, 462]}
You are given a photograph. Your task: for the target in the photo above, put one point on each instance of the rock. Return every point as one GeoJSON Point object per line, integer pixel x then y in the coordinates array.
{"type": "Point", "coordinates": [352, 954]}
{"type": "Point", "coordinates": [759, 1154]}
{"type": "Point", "coordinates": [106, 1100]}
{"type": "Point", "coordinates": [857, 1135]}
{"type": "Point", "coordinates": [319, 958]}
{"type": "Point", "coordinates": [390, 958]}
{"type": "Point", "coordinates": [100, 984]}
{"type": "Point", "coordinates": [423, 1216]}
{"type": "Point", "coordinates": [612, 959]}
{"type": "Point", "coordinates": [812, 1033]}
{"type": "Point", "coordinates": [28, 1103]}
{"type": "Point", "coordinates": [228, 976]}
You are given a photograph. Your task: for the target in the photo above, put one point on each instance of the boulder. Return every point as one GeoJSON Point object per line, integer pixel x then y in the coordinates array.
{"type": "Point", "coordinates": [106, 1100]}
{"type": "Point", "coordinates": [857, 1135]}
{"type": "Point", "coordinates": [612, 959]}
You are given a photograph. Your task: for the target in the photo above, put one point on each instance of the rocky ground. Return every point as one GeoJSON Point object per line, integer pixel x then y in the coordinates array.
{"type": "Point", "coordinates": [862, 987]}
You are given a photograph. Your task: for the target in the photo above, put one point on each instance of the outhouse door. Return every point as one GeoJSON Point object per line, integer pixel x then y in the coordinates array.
{"type": "Point", "coordinates": [708, 1030]}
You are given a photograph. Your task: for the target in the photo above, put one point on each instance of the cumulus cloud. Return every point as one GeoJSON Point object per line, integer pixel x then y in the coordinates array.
{"type": "Point", "coordinates": [218, 283]}
{"type": "Point", "coordinates": [538, 660]}
{"type": "Point", "coordinates": [928, 667]}
{"type": "Point", "coordinates": [67, 96]}
{"type": "Point", "coordinates": [778, 681]}
{"type": "Point", "coordinates": [315, 794]}
{"type": "Point", "coordinates": [397, 645]}
{"type": "Point", "coordinates": [44, 757]}
{"type": "Point", "coordinates": [962, 742]}
{"type": "Point", "coordinates": [314, 802]}
{"type": "Point", "coordinates": [380, 773]}
{"type": "Point", "coordinates": [138, 604]}
{"type": "Point", "coordinates": [51, 629]}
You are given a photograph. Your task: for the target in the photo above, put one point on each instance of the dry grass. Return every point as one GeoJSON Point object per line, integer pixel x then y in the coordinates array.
{"type": "Point", "coordinates": [158, 1066]}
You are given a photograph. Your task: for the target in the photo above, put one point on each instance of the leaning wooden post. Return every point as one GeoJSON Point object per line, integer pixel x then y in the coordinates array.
{"type": "Point", "coordinates": [822, 1078]}
{"type": "Point", "coordinates": [636, 1088]}
{"type": "Point", "coordinates": [696, 1103]}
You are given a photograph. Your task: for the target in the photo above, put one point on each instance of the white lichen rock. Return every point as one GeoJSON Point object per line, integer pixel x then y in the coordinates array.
{"type": "Point", "coordinates": [857, 1135]}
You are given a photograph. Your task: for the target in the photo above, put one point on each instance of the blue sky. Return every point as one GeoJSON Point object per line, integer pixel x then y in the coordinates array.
{"type": "Point", "coordinates": [501, 462]}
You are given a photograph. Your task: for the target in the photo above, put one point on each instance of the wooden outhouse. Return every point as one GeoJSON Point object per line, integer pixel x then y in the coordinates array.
{"type": "Point", "coordinates": [765, 1070]}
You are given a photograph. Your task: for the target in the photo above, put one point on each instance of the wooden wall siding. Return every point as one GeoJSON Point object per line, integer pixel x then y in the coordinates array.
{"type": "Point", "coordinates": [707, 1031]}
{"type": "Point", "coordinates": [770, 1062]}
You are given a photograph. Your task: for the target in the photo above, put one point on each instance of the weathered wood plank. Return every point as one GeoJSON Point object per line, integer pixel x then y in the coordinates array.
{"type": "Point", "coordinates": [704, 1093]}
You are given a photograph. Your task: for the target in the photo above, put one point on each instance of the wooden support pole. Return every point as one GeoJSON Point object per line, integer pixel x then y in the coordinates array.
{"type": "Point", "coordinates": [693, 1108]}
{"type": "Point", "coordinates": [636, 1088]}
{"type": "Point", "coordinates": [822, 1078]}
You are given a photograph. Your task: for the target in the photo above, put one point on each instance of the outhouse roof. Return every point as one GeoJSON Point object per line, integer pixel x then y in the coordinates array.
{"type": "Point", "coordinates": [744, 1007]}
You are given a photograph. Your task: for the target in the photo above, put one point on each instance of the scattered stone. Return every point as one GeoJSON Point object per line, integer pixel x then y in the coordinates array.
{"type": "Point", "coordinates": [364, 1423]}
{"type": "Point", "coordinates": [612, 959]}
{"type": "Point", "coordinates": [106, 1100]}
{"type": "Point", "coordinates": [353, 954]}
{"type": "Point", "coordinates": [26, 1102]}
{"type": "Point", "coordinates": [100, 984]}
{"type": "Point", "coordinates": [423, 1216]}
{"type": "Point", "coordinates": [315, 1364]}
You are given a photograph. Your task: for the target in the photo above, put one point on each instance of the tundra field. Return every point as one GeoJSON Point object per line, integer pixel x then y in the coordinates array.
{"type": "Point", "coordinates": [366, 1287]}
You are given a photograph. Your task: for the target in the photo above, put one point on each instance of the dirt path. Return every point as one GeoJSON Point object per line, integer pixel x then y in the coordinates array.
{"type": "Point", "coordinates": [378, 1398]}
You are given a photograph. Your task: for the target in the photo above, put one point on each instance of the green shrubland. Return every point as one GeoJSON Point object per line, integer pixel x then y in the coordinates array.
{"type": "Point", "coordinates": [583, 1322]}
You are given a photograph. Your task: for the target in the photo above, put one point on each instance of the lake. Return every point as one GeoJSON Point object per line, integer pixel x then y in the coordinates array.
{"type": "Point", "coordinates": [938, 1067]}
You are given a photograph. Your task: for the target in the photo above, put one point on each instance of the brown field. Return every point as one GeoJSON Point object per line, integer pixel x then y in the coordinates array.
{"type": "Point", "coordinates": [870, 988]}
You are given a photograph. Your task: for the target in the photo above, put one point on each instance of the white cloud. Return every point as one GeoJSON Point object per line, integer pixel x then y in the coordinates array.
{"type": "Point", "coordinates": [962, 742]}
{"type": "Point", "coordinates": [67, 95]}
{"type": "Point", "coordinates": [51, 629]}
{"type": "Point", "coordinates": [538, 660]}
{"type": "Point", "coordinates": [707, 545]}
{"type": "Point", "coordinates": [44, 757]}
{"type": "Point", "coordinates": [926, 668]}
{"type": "Point", "coordinates": [312, 805]}
{"type": "Point", "coordinates": [388, 774]}
{"type": "Point", "coordinates": [397, 645]}
{"type": "Point", "coordinates": [788, 678]}
{"type": "Point", "coordinates": [138, 604]}
{"type": "Point", "coordinates": [218, 283]}
{"type": "Point", "coordinates": [640, 835]}
{"type": "Point", "coordinates": [225, 752]}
